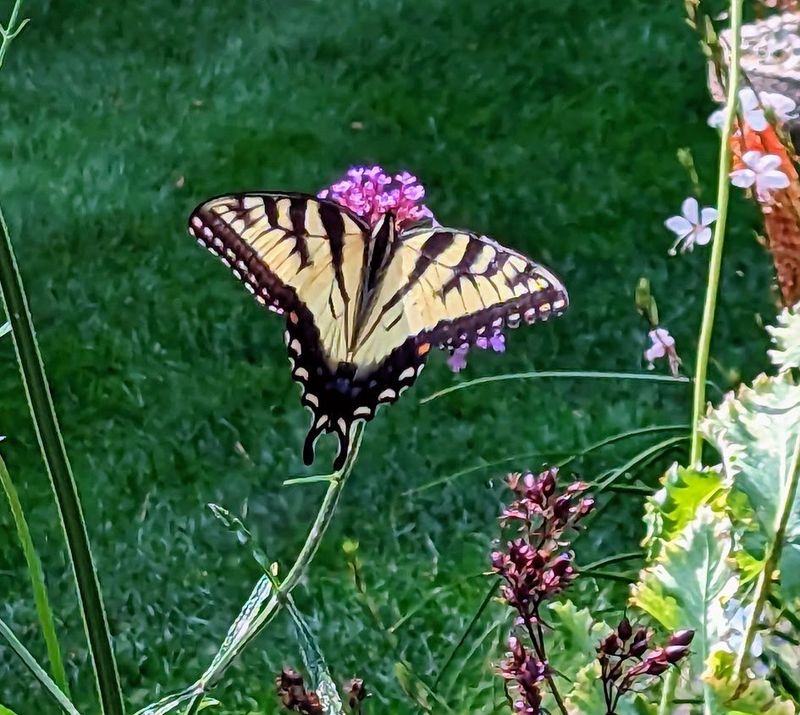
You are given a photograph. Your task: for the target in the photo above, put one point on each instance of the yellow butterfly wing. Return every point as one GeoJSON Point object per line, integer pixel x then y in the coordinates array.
{"type": "Point", "coordinates": [446, 288]}
{"type": "Point", "coordinates": [298, 255]}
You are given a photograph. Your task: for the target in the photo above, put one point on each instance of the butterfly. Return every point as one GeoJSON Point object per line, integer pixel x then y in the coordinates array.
{"type": "Point", "coordinates": [365, 305]}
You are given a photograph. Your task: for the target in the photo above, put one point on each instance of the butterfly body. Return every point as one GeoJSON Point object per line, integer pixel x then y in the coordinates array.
{"type": "Point", "coordinates": [364, 305]}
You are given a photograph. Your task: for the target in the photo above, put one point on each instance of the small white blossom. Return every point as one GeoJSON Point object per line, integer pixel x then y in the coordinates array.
{"type": "Point", "coordinates": [692, 226]}
{"type": "Point", "coordinates": [762, 171]}
{"type": "Point", "coordinates": [662, 345]}
{"type": "Point", "coordinates": [782, 106]}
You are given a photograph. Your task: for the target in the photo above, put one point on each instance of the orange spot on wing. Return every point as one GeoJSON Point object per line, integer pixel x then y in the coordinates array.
{"type": "Point", "coordinates": [423, 349]}
{"type": "Point", "coordinates": [293, 317]}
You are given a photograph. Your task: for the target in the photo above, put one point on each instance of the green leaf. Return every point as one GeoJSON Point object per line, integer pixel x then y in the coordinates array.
{"type": "Point", "coordinates": [757, 698]}
{"type": "Point", "coordinates": [757, 432]}
{"type": "Point", "coordinates": [5, 329]}
{"type": "Point", "coordinates": [5, 711]}
{"type": "Point", "coordinates": [314, 661]}
{"type": "Point", "coordinates": [38, 672]}
{"type": "Point", "coordinates": [685, 586]}
{"type": "Point", "coordinates": [786, 337]}
{"type": "Point", "coordinates": [36, 575]}
{"type": "Point", "coordinates": [572, 642]}
{"type": "Point", "coordinates": [586, 696]}
{"type": "Point", "coordinates": [683, 491]}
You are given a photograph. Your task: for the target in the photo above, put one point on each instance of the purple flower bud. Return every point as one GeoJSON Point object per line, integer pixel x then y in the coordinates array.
{"type": "Point", "coordinates": [624, 629]}
{"type": "Point", "coordinates": [610, 644]}
{"type": "Point", "coordinates": [657, 667]}
{"type": "Point", "coordinates": [675, 652]}
{"type": "Point", "coordinates": [683, 637]}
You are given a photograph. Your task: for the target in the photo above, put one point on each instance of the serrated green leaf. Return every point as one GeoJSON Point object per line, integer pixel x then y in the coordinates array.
{"type": "Point", "coordinates": [572, 642]}
{"type": "Point", "coordinates": [786, 338]}
{"type": "Point", "coordinates": [586, 696]}
{"type": "Point", "coordinates": [687, 583]}
{"type": "Point", "coordinates": [673, 507]}
{"type": "Point", "coordinates": [757, 698]}
{"type": "Point", "coordinates": [757, 432]}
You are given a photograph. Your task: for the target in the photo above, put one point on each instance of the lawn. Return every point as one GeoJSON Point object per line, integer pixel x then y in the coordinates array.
{"type": "Point", "coordinates": [552, 126]}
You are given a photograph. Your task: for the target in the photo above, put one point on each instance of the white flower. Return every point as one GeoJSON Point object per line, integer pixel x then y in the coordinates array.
{"type": "Point", "coordinates": [781, 105]}
{"type": "Point", "coordinates": [752, 110]}
{"type": "Point", "coordinates": [662, 345]}
{"type": "Point", "coordinates": [762, 170]}
{"type": "Point", "coordinates": [692, 226]}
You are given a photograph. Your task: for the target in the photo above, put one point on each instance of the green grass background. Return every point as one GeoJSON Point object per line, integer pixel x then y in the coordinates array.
{"type": "Point", "coordinates": [551, 126]}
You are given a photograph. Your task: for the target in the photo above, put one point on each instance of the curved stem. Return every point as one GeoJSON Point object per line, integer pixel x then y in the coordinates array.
{"type": "Point", "coordinates": [247, 625]}
{"type": "Point", "coordinates": [715, 263]}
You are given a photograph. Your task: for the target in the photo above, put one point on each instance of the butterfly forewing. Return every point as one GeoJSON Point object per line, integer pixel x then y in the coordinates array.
{"type": "Point", "coordinates": [446, 287]}
{"type": "Point", "coordinates": [295, 253]}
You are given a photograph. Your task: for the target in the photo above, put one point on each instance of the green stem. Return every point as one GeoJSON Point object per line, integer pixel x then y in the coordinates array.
{"type": "Point", "coordinates": [278, 596]}
{"type": "Point", "coordinates": [668, 691]}
{"type": "Point", "coordinates": [38, 672]}
{"type": "Point", "coordinates": [36, 575]}
{"type": "Point", "coordinates": [712, 289]}
{"type": "Point", "coordinates": [765, 577]}
{"type": "Point", "coordinates": [715, 263]}
{"type": "Point", "coordinates": [61, 479]}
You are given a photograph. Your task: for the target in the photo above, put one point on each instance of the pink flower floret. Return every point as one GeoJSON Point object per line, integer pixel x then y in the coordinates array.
{"type": "Point", "coordinates": [370, 192]}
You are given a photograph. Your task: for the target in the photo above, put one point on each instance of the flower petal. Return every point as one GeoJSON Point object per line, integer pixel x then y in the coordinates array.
{"type": "Point", "coordinates": [750, 158]}
{"type": "Point", "coordinates": [690, 209]}
{"type": "Point", "coordinates": [748, 99]}
{"type": "Point", "coordinates": [679, 226]}
{"type": "Point", "coordinates": [773, 180]}
{"type": "Point", "coordinates": [702, 235]}
{"type": "Point", "coordinates": [756, 119]}
{"type": "Point", "coordinates": [768, 162]}
{"type": "Point", "coordinates": [743, 178]}
{"type": "Point", "coordinates": [708, 215]}
{"type": "Point", "coordinates": [716, 119]}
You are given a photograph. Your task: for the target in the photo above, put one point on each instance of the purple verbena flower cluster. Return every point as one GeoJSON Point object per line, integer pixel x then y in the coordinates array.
{"type": "Point", "coordinates": [370, 192]}
{"type": "Point", "coordinates": [535, 566]}
{"type": "Point", "coordinates": [523, 672]}
{"type": "Point", "coordinates": [626, 658]}
{"type": "Point", "coordinates": [294, 696]}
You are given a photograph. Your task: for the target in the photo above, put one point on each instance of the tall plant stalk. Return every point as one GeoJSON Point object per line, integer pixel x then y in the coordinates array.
{"type": "Point", "coordinates": [715, 263]}
{"type": "Point", "coordinates": [712, 291]}
{"type": "Point", "coordinates": [54, 453]}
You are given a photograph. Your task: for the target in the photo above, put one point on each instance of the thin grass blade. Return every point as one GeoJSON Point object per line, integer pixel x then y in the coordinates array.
{"type": "Point", "coordinates": [38, 672]}
{"type": "Point", "coordinates": [36, 574]}
{"type": "Point", "coordinates": [557, 374]}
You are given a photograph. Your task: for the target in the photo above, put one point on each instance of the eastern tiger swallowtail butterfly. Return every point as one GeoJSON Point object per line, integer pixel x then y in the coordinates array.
{"type": "Point", "coordinates": [364, 306]}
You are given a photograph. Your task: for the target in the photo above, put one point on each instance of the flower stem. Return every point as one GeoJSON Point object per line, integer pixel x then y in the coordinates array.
{"type": "Point", "coordinates": [765, 578]}
{"type": "Point", "coordinates": [715, 263]}
{"type": "Point", "coordinates": [55, 457]}
{"type": "Point", "coordinates": [239, 638]}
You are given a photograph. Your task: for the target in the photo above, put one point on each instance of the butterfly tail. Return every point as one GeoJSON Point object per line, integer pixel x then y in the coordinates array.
{"type": "Point", "coordinates": [314, 432]}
